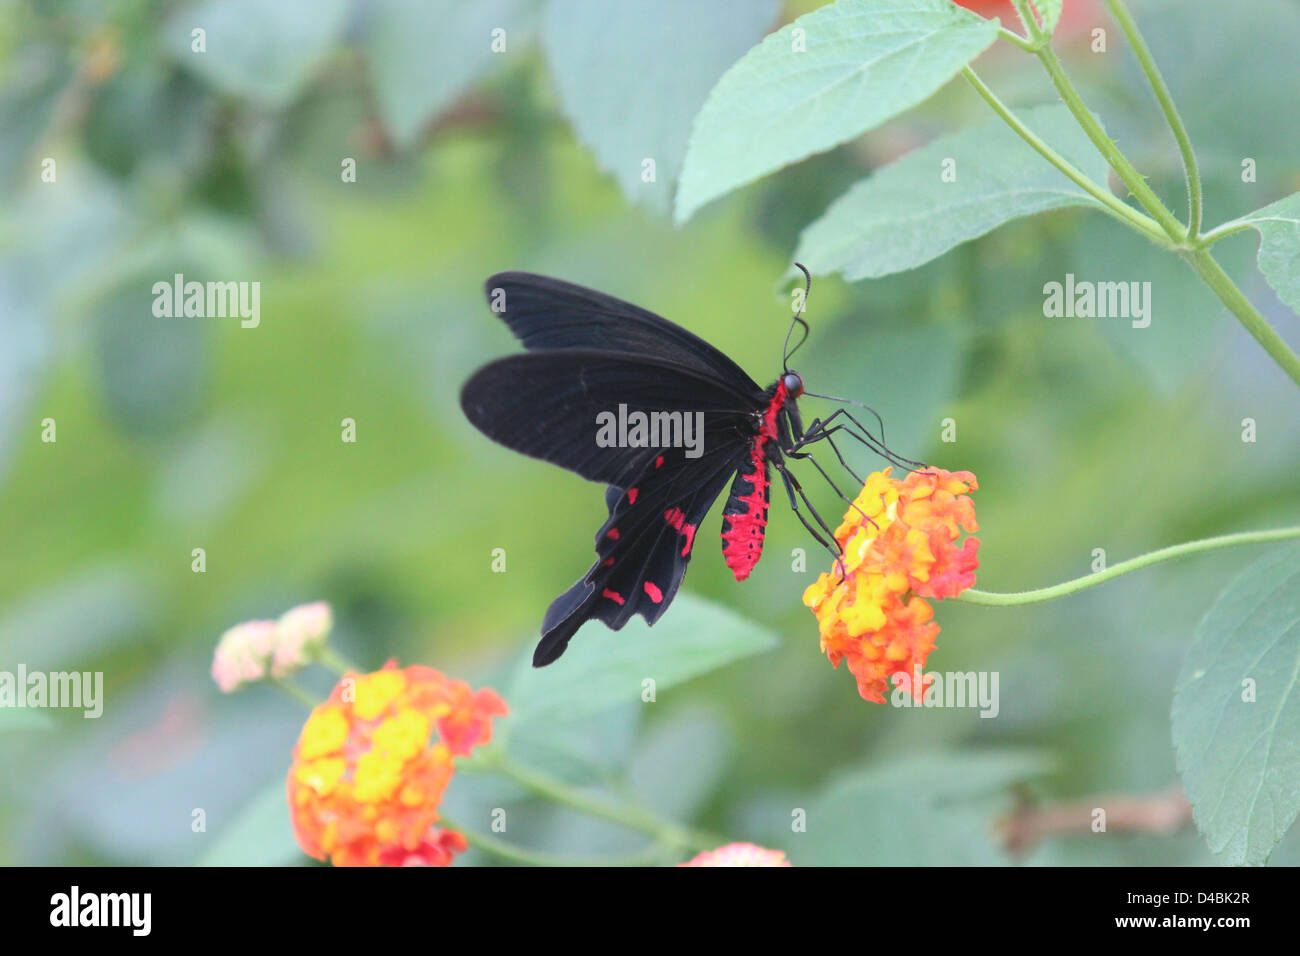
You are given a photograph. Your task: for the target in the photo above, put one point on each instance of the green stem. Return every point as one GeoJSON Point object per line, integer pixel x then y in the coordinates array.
{"type": "Point", "coordinates": [328, 657]}
{"type": "Point", "coordinates": [1031, 25]}
{"type": "Point", "coordinates": [1222, 232]}
{"type": "Point", "coordinates": [1106, 146]}
{"type": "Point", "coordinates": [1194, 196]}
{"type": "Point", "coordinates": [1187, 241]}
{"type": "Point", "coordinates": [634, 818]}
{"type": "Point", "coordinates": [1012, 36]}
{"type": "Point", "coordinates": [1117, 208]}
{"type": "Point", "coordinates": [294, 691]}
{"type": "Point", "coordinates": [994, 599]}
{"type": "Point", "coordinates": [526, 857]}
{"type": "Point", "coordinates": [1220, 282]}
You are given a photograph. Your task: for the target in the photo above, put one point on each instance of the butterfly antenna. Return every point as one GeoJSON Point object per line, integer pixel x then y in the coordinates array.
{"type": "Point", "coordinates": [849, 401]}
{"type": "Point", "coordinates": [786, 351]}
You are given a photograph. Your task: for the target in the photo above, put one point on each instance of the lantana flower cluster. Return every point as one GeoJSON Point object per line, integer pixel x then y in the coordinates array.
{"type": "Point", "coordinates": [900, 547]}
{"type": "Point", "coordinates": [373, 761]}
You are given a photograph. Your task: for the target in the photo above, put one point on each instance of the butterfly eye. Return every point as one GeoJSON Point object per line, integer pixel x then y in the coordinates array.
{"type": "Point", "coordinates": [793, 384]}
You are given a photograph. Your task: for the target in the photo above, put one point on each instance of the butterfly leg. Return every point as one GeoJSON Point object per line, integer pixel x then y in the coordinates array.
{"type": "Point", "coordinates": [819, 429]}
{"type": "Point", "coordinates": [836, 488]}
{"type": "Point", "coordinates": [792, 487]}
{"type": "Point", "coordinates": [826, 436]}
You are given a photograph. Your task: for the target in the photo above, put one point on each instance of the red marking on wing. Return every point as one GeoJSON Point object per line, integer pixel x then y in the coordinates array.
{"type": "Point", "coordinates": [659, 462]}
{"type": "Point", "coordinates": [631, 496]}
{"type": "Point", "coordinates": [743, 530]}
{"type": "Point", "coordinates": [655, 594]}
{"type": "Point", "coordinates": [612, 595]}
{"type": "Point", "coordinates": [677, 519]}
{"type": "Point", "coordinates": [607, 562]}
{"type": "Point", "coordinates": [612, 534]}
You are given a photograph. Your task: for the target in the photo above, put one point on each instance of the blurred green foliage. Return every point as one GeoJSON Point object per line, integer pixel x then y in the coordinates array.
{"type": "Point", "coordinates": [175, 434]}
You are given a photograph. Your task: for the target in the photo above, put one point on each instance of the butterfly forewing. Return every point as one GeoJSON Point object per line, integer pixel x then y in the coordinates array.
{"type": "Point", "coordinates": [545, 404]}
{"type": "Point", "coordinates": [547, 314]}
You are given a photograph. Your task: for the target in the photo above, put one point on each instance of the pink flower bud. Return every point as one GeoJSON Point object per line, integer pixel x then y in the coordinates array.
{"type": "Point", "coordinates": [243, 654]}
{"type": "Point", "coordinates": [301, 635]}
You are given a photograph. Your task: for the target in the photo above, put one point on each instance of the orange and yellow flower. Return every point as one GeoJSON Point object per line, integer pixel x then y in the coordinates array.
{"type": "Point", "coordinates": [900, 546]}
{"type": "Point", "coordinates": [372, 763]}
{"type": "Point", "coordinates": [739, 854]}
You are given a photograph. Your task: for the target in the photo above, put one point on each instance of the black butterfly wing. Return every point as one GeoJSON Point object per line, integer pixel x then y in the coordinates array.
{"type": "Point", "coordinates": [591, 353]}
{"type": "Point", "coordinates": [546, 313]}
{"type": "Point", "coordinates": [645, 544]}
{"type": "Point", "coordinates": [545, 405]}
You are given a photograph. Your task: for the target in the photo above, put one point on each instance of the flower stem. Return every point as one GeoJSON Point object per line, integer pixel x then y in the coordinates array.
{"type": "Point", "coordinates": [1212, 274]}
{"type": "Point", "coordinates": [1208, 239]}
{"type": "Point", "coordinates": [995, 599]}
{"type": "Point", "coordinates": [1131, 178]}
{"type": "Point", "coordinates": [1012, 36]}
{"type": "Point", "coordinates": [1187, 241]}
{"type": "Point", "coordinates": [294, 691]}
{"type": "Point", "coordinates": [1115, 206]}
{"type": "Point", "coordinates": [634, 818]}
{"type": "Point", "coordinates": [1120, 12]}
{"type": "Point", "coordinates": [527, 857]}
{"type": "Point", "coordinates": [332, 659]}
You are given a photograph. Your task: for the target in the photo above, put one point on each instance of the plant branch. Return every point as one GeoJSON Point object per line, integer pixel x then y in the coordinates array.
{"type": "Point", "coordinates": [1112, 204]}
{"type": "Point", "coordinates": [526, 857]}
{"type": "Point", "coordinates": [1194, 196]}
{"type": "Point", "coordinates": [633, 818]}
{"type": "Point", "coordinates": [1212, 274]}
{"type": "Point", "coordinates": [1131, 178]}
{"type": "Point", "coordinates": [995, 599]}
{"type": "Point", "coordinates": [1011, 36]}
{"type": "Point", "coordinates": [1160, 813]}
{"type": "Point", "coordinates": [294, 691]}
{"type": "Point", "coordinates": [1208, 239]}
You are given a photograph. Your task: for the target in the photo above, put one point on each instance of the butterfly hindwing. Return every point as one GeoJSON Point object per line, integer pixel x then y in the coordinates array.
{"type": "Point", "coordinates": [644, 545]}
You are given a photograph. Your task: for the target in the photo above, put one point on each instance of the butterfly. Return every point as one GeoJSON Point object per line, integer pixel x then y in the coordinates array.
{"type": "Point", "coordinates": [666, 421]}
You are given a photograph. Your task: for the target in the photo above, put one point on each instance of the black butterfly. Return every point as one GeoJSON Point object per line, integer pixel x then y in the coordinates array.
{"type": "Point", "coordinates": [592, 357]}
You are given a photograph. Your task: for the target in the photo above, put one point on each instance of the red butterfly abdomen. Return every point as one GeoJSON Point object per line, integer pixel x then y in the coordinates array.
{"type": "Point", "coordinates": [744, 518]}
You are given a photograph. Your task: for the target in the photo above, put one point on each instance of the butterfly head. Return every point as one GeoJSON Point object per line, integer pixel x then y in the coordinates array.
{"type": "Point", "coordinates": [793, 383]}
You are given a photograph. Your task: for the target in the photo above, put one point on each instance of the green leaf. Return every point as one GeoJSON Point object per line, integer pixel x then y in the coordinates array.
{"type": "Point", "coordinates": [1279, 248]}
{"type": "Point", "coordinates": [1236, 713]}
{"type": "Point", "coordinates": [921, 810]}
{"type": "Point", "coordinates": [823, 79]}
{"type": "Point", "coordinates": [422, 53]}
{"type": "Point", "coordinates": [632, 75]}
{"type": "Point", "coordinates": [265, 52]}
{"type": "Point", "coordinates": [906, 214]}
{"type": "Point", "coordinates": [260, 835]}
{"type": "Point", "coordinates": [602, 667]}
